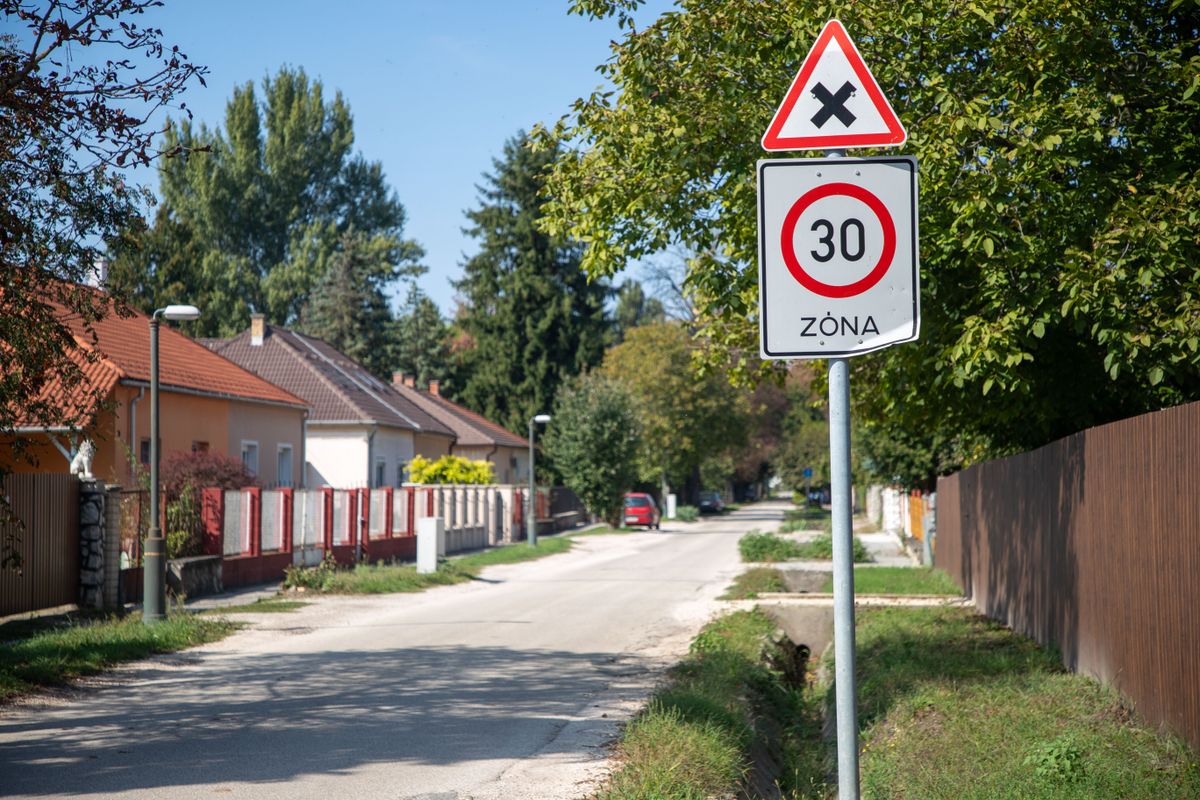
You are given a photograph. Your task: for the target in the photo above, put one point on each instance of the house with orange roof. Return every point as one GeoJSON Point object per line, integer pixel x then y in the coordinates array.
{"type": "Point", "coordinates": [206, 403]}
{"type": "Point", "coordinates": [361, 432]}
{"type": "Point", "coordinates": [477, 437]}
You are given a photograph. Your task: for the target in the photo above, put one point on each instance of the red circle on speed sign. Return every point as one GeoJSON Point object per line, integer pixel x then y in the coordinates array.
{"type": "Point", "coordinates": [832, 289]}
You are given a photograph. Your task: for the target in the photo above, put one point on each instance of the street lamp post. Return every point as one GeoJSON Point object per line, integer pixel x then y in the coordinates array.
{"type": "Point", "coordinates": [530, 522]}
{"type": "Point", "coordinates": [154, 557]}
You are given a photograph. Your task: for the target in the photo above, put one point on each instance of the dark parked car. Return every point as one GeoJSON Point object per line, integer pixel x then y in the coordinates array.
{"type": "Point", "coordinates": [640, 509]}
{"type": "Point", "coordinates": [711, 503]}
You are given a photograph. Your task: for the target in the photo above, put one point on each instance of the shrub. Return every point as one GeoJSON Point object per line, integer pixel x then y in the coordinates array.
{"type": "Point", "coordinates": [821, 547]}
{"type": "Point", "coordinates": [687, 513]}
{"type": "Point", "coordinates": [450, 470]}
{"type": "Point", "coordinates": [767, 547]}
{"type": "Point", "coordinates": [317, 578]}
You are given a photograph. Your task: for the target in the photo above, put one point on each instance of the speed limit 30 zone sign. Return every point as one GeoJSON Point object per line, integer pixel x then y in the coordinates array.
{"type": "Point", "coordinates": [837, 240]}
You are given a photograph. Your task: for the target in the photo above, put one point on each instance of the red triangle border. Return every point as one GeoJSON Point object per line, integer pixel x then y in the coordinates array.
{"type": "Point", "coordinates": [895, 135]}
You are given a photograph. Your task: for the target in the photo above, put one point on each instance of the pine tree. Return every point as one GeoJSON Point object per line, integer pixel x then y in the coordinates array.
{"type": "Point", "coordinates": [531, 317]}
{"type": "Point", "coordinates": [421, 339]}
{"type": "Point", "coordinates": [349, 308]}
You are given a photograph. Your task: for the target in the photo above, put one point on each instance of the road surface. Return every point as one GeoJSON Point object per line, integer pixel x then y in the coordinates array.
{"type": "Point", "coordinates": [506, 687]}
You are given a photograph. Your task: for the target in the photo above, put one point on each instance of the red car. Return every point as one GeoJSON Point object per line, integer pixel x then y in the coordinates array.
{"type": "Point", "coordinates": [641, 510]}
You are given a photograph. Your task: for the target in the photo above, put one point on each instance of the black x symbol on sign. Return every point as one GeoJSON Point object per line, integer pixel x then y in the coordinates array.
{"type": "Point", "coordinates": [833, 105]}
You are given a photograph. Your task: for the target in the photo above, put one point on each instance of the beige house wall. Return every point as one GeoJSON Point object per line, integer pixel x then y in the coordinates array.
{"type": "Point", "coordinates": [502, 459]}
{"type": "Point", "coordinates": [271, 427]}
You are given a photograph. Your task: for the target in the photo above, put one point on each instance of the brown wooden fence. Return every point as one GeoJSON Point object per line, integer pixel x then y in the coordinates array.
{"type": "Point", "coordinates": [47, 542]}
{"type": "Point", "coordinates": [1092, 544]}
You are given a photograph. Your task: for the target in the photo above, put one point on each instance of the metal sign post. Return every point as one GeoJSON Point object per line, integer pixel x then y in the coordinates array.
{"type": "Point", "coordinates": [838, 277]}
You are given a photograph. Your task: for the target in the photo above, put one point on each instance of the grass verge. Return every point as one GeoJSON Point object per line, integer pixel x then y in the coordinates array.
{"type": "Point", "coordinates": [692, 740]}
{"type": "Point", "coordinates": [900, 580]}
{"type": "Point", "coordinates": [956, 707]}
{"type": "Point", "coordinates": [757, 546]}
{"type": "Point", "coordinates": [53, 651]}
{"type": "Point", "coordinates": [806, 519]}
{"type": "Point", "coordinates": [391, 578]}
{"type": "Point", "coordinates": [263, 605]}
{"type": "Point", "coordinates": [753, 582]}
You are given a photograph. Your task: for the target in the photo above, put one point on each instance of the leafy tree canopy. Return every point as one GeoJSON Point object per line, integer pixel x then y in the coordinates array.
{"type": "Point", "coordinates": [262, 217]}
{"type": "Point", "coordinates": [685, 420]}
{"type": "Point", "coordinates": [530, 318]}
{"type": "Point", "coordinates": [634, 308]}
{"type": "Point", "coordinates": [1060, 194]}
{"type": "Point", "coordinates": [79, 83]}
{"type": "Point", "coordinates": [593, 440]}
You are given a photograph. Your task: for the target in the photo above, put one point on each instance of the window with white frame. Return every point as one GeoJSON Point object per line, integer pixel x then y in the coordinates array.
{"type": "Point", "coordinates": [250, 456]}
{"type": "Point", "coordinates": [283, 465]}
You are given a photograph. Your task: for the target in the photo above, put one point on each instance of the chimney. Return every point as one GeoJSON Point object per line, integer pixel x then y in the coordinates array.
{"type": "Point", "coordinates": [258, 326]}
{"type": "Point", "coordinates": [410, 381]}
{"type": "Point", "coordinates": [398, 378]}
{"type": "Point", "coordinates": [97, 276]}
{"type": "Point", "coordinates": [433, 388]}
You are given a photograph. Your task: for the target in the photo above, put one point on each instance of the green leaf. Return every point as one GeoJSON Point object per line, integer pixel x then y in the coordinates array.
{"type": "Point", "coordinates": [989, 247]}
{"type": "Point", "coordinates": [1156, 376]}
{"type": "Point", "coordinates": [1039, 329]}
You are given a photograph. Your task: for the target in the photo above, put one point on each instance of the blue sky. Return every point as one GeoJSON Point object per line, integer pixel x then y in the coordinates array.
{"type": "Point", "coordinates": [435, 87]}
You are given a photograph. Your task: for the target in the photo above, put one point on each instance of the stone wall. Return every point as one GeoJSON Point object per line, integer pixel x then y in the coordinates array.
{"type": "Point", "coordinates": [92, 527]}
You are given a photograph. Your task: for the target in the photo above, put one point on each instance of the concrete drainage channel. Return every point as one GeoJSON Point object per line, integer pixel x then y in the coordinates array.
{"type": "Point", "coordinates": [804, 616]}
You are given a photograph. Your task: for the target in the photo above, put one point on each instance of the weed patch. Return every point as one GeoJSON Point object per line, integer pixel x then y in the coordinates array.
{"type": "Point", "coordinates": [768, 548]}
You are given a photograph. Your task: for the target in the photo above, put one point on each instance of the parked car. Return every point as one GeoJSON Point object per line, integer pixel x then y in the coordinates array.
{"type": "Point", "coordinates": [711, 503]}
{"type": "Point", "coordinates": [640, 509]}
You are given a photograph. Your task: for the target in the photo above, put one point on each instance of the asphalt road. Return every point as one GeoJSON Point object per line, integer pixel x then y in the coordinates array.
{"type": "Point", "coordinates": [507, 687]}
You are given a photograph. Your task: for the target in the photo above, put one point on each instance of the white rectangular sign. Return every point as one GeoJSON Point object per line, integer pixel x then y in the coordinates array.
{"type": "Point", "coordinates": [837, 255]}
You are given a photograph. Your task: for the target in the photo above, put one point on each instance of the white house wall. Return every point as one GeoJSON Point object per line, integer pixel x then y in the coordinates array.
{"type": "Point", "coordinates": [395, 448]}
{"type": "Point", "coordinates": [336, 457]}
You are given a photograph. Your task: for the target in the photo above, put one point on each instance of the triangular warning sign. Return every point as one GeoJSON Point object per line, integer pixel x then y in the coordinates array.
{"type": "Point", "coordinates": [834, 102]}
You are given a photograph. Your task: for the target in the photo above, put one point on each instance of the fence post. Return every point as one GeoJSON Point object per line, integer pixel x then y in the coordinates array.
{"type": "Point", "coordinates": [112, 548]}
{"type": "Point", "coordinates": [287, 514]}
{"type": "Point", "coordinates": [255, 496]}
{"type": "Point", "coordinates": [389, 511]}
{"type": "Point", "coordinates": [327, 520]}
{"type": "Point", "coordinates": [212, 516]}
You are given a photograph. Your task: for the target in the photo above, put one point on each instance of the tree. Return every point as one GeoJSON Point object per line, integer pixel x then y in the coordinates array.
{"type": "Point", "coordinates": [422, 339]}
{"type": "Point", "coordinates": [260, 219]}
{"type": "Point", "coordinates": [349, 307]}
{"type": "Point", "coordinates": [634, 308]}
{"type": "Point", "coordinates": [451, 470]}
{"type": "Point", "coordinates": [79, 83]}
{"type": "Point", "coordinates": [1058, 152]}
{"type": "Point", "coordinates": [685, 419]}
{"type": "Point", "coordinates": [593, 441]}
{"type": "Point", "coordinates": [531, 318]}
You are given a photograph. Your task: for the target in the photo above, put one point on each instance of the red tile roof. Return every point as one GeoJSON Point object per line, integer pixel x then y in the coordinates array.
{"type": "Point", "coordinates": [473, 430]}
{"type": "Point", "coordinates": [122, 344]}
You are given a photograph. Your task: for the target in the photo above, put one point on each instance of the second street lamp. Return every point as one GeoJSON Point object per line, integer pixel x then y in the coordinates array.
{"type": "Point", "coordinates": [531, 506]}
{"type": "Point", "coordinates": [154, 557]}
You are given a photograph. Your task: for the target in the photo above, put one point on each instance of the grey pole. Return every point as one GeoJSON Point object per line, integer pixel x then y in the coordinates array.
{"type": "Point", "coordinates": [530, 522]}
{"type": "Point", "coordinates": [154, 561]}
{"type": "Point", "coordinates": [843, 579]}
{"type": "Point", "coordinates": [843, 572]}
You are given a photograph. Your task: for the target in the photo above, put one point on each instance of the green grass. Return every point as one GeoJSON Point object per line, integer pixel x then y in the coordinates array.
{"type": "Point", "coordinates": [900, 580]}
{"type": "Point", "coordinates": [769, 548]}
{"type": "Point", "coordinates": [956, 707]}
{"type": "Point", "coordinates": [753, 582]}
{"type": "Point", "coordinates": [263, 605]}
{"type": "Point", "coordinates": [692, 741]}
{"type": "Point", "coordinates": [392, 578]}
{"type": "Point", "coordinates": [53, 651]}
{"type": "Point", "coordinates": [687, 513]}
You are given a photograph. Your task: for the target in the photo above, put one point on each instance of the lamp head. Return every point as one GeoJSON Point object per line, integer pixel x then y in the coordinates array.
{"type": "Point", "coordinates": [542, 419]}
{"type": "Point", "coordinates": [180, 313]}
